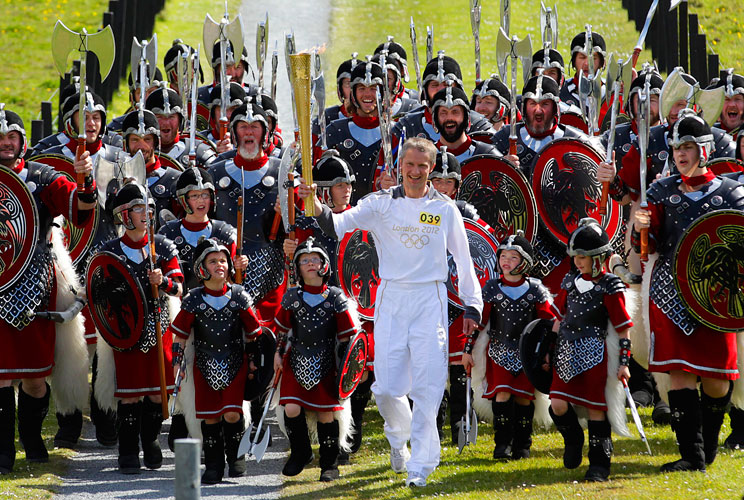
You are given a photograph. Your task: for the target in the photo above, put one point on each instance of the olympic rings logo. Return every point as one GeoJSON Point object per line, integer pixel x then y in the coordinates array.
{"type": "Point", "coordinates": [414, 240]}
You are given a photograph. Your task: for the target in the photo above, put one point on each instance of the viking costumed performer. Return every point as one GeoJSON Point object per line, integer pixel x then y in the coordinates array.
{"type": "Point", "coordinates": [589, 297]}
{"type": "Point", "coordinates": [220, 316]}
{"type": "Point", "coordinates": [681, 345]}
{"type": "Point", "coordinates": [30, 284]}
{"type": "Point", "coordinates": [510, 303]}
{"type": "Point", "coordinates": [321, 324]}
{"type": "Point", "coordinates": [137, 381]}
{"type": "Point", "coordinates": [413, 226]}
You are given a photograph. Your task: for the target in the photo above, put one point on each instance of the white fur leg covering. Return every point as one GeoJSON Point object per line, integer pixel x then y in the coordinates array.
{"type": "Point", "coordinates": [478, 382]}
{"type": "Point", "coordinates": [106, 381]}
{"type": "Point", "coordinates": [614, 392]}
{"type": "Point", "coordinates": [638, 333]}
{"type": "Point", "coordinates": [645, 310]}
{"type": "Point", "coordinates": [69, 377]}
{"type": "Point", "coordinates": [737, 398]}
{"type": "Point", "coordinates": [185, 402]}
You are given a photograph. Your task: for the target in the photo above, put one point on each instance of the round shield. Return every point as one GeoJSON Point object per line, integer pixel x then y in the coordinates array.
{"type": "Point", "coordinates": [168, 161]}
{"type": "Point", "coordinates": [564, 180]}
{"type": "Point", "coordinates": [721, 166]}
{"type": "Point", "coordinates": [77, 239]}
{"type": "Point", "coordinates": [483, 254]}
{"type": "Point", "coordinates": [202, 116]}
{"type": "Point", "coordinates": [538, 340]}
{"type": "Point", "coordinates": [351, 365]}
{"type": "Point", "coordinates": [116, 301]}
{"type": "Point", "coordinates": [573, 119]}
{"type": "Point", "coordinates": [708, 269]}
{"type": "Point", "coordinates": [261, 354]}
{"type": "Point", "coordinates": [358, 271]}
{"type": "Point", "coordinates": [501, 194]}
{"type": "Point", "coordinates": [19, 227]}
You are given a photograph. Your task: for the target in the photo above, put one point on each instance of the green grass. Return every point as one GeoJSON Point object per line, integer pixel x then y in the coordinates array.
{"type": "Point", "coordinates": [723, 23]}
{"type": "Point", "coordinates": [32, 480]}
{"type": "Point", "coordinates": [474, 475]}
{"type": "Point", "coordinates": [28, 73]}
{"type": "Point", "coordinates": [368, 24]}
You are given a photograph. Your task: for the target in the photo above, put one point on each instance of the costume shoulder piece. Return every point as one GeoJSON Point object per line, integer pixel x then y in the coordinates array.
{"type": "Point", "coordinates": [568, 280]}
{"type": "Point", "coordinates": [165, 248]}
{"type": "Point", "coordinates": [340, 302]}
{"type": "Point", "coordinates": [190, 303]}
{"type": "Point", "coordinates": [291, 300]}
{"type": "Point", "coordinates": [241, 296]}
{"type": "Point", "coordinates": [540, 290]}
{"type": "Point", "coordinates": [224, 231]}
{"type": "Point", "coordinates": [467, 210]}
{"type": "Point", "coordinates": [612, 284]}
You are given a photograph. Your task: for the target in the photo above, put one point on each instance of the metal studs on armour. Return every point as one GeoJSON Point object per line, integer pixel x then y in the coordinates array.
{"type": "Point", "coordinates": [348, 143]}
{"type": "Point", "coordinates": [159, 189]}
{"type": "Point", "coordinates": [663, 155]}
{"type": "Point", "coordinates": [31, 186]}
{"type": "Point", "coordinates": [268, 181]}
{"type": "Point", "coordinates": [674, 199]}
{"type": "Point", "coordinates": [716, 201]}
{"type": "Point", "coordinates": [224, 182]}
{"type": "Point", "coordinates": [626, 148]}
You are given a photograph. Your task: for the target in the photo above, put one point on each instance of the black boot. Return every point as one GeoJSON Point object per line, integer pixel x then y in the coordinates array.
{"type": "Point", "coordinates": [31, 414]}
{"type": "Point", "coordinates": [7, 429]}
{"type": "Point", "coordinates": [128, 418]}
{"type": "Point", "coordinates": [70, 427]}
{"type": "Point", "coordinates": [233, 435]}
{"type": "Point", "coordinates": [713, 410]}
{"type": "Point", "coordinates": [573, 436]}
{"type": "Point", "coordinates": [522, 441]}
{"type": "Point", "coordinates": [503, 428]}
{"type": "Point", "coordinates": [686, 422]}
{"type": "Point", "coordinates": [457, 402]}
{"type": "Point", "coordinates": [359, 401]}
{"type": "Point", "coordinates": [328, 439]}
{"type": "Point", "coordinates": [213, 442]}
{"type": "Point", "coordinates": [178, 430]}
{"type": "Point", "coordinates": [301, 453]}
{"type": "Point", "coordinates": [104, 420]}
{"type": "Point", "coordinates": [442, 415]}
{"type": "Point", "coordinates": [152, 423]}
{"type": "Point", "coordinates": [735, 440]}
{"type": "Point", "coordinates": [600, 451]}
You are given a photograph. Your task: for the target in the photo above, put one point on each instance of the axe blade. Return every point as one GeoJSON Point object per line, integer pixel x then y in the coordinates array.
{"type": "Point", "coordinates": [674, 3]}
{"type": "Point", "coordinates": [523, 50]}
{"type": "Point", "coordinates": [235, 35]}
{"type": "Point", "coordinates": [462, 437]}
{"type": "Point", "coordinates": [711, 101]}
{"type": "Point", "coordinates": [503, 51]}
{"type": "Point", "coordinates": [544, 23]}
{"type": "Point", "coordinates": [210, 34]}
{"type": "Point", "coordinates": [613, 73]}
{"type": "Point", "coordinates": [260, 449]}
{"type": "Point", "coordinates": [103, 45]}
{"type": "Point", "coordinates": [473, 432]}
{"type": "Point", "coordinates": [148, 50]}
{"type": "Point", "coordinates": [675, 88]}
{"type": "Point", "coordinates": [64, 41]}
{"type": "Point", "coordinates": [244, 448]}
{"type": "Point", "coordinates": [554, 25]}
{"type": "Point", "coordinates": [626, 76]}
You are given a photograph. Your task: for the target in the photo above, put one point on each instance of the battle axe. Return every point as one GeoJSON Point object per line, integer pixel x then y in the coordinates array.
{"type": "Point", "coordinates": [102, 44]}
{"type": "Point", "coordinates": [475, 19]}
{"type": "Point", "coordinates": [262, 37]}
{"type": "Point", "coordinates": [676, 89]}
{"type": "Point", "coordinates": [513, 49]}
{"type": "Point", "coordinates": [549, 24]}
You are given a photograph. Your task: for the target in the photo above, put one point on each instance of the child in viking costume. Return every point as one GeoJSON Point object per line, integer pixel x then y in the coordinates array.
{"type": "Point", "coordinates": [510, 303]}
{"type": "Point", "coordinates": [319, 318]}
{"type": "Point", "coordinates": [587, 298]}
{"type": "Point", "coordinates": [221, 316]}
{"type": "Point", "coordinates": [680, 344]}
{"type": "Point", "coordinates": [137, 379]}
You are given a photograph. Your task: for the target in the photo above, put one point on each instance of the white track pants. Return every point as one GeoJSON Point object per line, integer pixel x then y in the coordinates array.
{"type": "Point", "coordinates": [411, 359]}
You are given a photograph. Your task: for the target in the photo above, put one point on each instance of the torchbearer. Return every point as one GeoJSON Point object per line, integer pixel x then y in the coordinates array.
{"type": "Point", "coordinates": [414, 227]}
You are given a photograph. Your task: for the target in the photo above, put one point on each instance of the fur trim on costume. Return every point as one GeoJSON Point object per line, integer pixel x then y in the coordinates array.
{"type": "Point", "coordinates": [186, 400]}
{"type": "Point", "coordinates": [614, 392]}
{"type": "Point", "coordinates": [69, 378]}
{"type": "Point", "coordinates": [482, 405]}
{"type": "Point", "coordinates": [639, 332]}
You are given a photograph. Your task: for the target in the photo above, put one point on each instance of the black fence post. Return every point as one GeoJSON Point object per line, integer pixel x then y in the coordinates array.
{"type": "Point", "coordinates": [673, 40]}
{"type": "Point", "coordinates": [46, 117]}
{"type": "Point", "coordinates": [683, 37]}
{"type": "Point", "coordinates": [713, 66]}
{"type": "Point", "coordinates": [661, 34]}
{"type": "Point", "coordinates": [63, 82]}
{"type": "Point", "coordinates": [37, 131]}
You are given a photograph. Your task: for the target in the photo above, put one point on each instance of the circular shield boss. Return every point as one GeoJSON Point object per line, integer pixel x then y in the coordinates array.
{"type": "Point", "coordinates": [77, 239]}
{"type": "Point", "coordinates": [721, 166]}
{"type": "Point", "coordinates": [351, 365]}
{"type": "Point", "coordinates": [358, 271]}
{"type": "Point", "coordinates": [202, 116]}
{"type": "Point", "coordinates": [708, 269]}
{"type": "Point", "coordinates": [169, 161]}
{"type": "Point", "coordinates": [575, 120]}
{"type": "Point", "coordinates": [537, 340]}
{"type": "Point", "coordinates": [19, 228]}
{"type": "Point", "coordinates": [262, 352]}
{"type": "Point", "coordinates": [116, 301]}
{"type": "Point", "coordinates": [483, 248]}
{"type": "Point", "coordinates": [501, 194]}
{"type": "Point", "coordinates": [564, 180]}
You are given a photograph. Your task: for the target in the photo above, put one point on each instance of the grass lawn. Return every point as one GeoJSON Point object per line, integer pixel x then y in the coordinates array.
{"type": "Point", "coordinates": [28, 73]}
{"type": "Point", "coordinates": [475, 475]}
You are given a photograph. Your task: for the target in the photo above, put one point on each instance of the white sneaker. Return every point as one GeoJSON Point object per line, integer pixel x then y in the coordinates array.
{"type": "Point", "coordinates": [415, 480]}
{"type": "Point", "coordinates": [398, 459]}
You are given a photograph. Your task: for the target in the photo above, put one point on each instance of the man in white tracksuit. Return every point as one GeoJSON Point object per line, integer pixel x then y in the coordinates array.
{"type": "Point", "coordinates": [414, 226]}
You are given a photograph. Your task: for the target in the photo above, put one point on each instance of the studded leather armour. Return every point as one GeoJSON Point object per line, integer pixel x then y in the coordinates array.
{"type": "Point", "coordinates": [205, 155]}
{"type": "Point", "coordinates": [163, 189]}
{"type": "Point", "coordinates": [314, 333]}
{"type": "Point", "coordinates": [218, 333]}
{"type": "Point", "coordinates": [680, 210]}
{"type": "Point", "coordinates": [363, 158]}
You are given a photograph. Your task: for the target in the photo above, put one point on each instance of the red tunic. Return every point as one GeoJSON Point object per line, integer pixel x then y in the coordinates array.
{"type": "Point", "coordinates": [29, 353]}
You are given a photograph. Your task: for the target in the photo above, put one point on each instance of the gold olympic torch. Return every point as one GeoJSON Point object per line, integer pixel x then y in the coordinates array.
{"type": "Point", "coordinates": [301, 82]}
